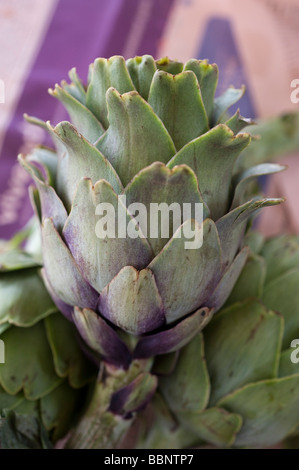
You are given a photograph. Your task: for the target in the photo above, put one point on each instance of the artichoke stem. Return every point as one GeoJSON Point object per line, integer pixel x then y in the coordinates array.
{"type": "Point", "coordinates": [100, 428]}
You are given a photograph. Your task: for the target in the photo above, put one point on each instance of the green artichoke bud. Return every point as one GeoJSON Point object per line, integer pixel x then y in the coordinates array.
{"type": "Point", "coordinates": [43, 372]}
{"type": "Point", "coordinates": [145, 132]}
{"type": "Point", "coordinates": [242, 388]}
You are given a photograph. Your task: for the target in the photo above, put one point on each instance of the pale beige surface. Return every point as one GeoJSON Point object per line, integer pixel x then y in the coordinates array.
{"type": "Point", "coordinates": [23, 24]}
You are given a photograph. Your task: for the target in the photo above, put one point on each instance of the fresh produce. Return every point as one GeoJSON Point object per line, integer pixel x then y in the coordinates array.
{"type": "Point", "coordinates": [143, 133]}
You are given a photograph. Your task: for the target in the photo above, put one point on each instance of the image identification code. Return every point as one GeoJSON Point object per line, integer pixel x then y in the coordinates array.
{"type": "Point", "coordinates": [151, 459]}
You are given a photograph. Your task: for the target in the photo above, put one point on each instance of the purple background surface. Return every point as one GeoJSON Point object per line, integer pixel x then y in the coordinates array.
{"type": "Point", "coordinates": [79, 31]}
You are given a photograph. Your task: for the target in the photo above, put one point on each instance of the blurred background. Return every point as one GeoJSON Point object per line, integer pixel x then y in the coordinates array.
{"type": "Point", "coordinates": [254, 42]}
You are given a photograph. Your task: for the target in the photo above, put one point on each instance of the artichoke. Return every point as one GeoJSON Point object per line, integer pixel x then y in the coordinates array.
{"type": "Point", "coordinates": [236, 383]}
{"type": "Point", "coordinates": [43, 372]}
{"type": "Point", "coordinates": [144, 132]}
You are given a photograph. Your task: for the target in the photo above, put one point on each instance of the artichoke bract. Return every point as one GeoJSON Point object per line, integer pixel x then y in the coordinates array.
{"type": "Point", "coordinates": [43, 372]}
{"type": "Point", "coordinates": [242, 389]}
{"type": "Point", "coordinates": [144, 132]}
